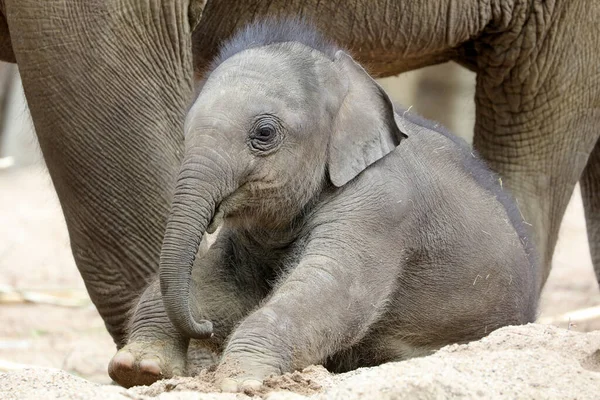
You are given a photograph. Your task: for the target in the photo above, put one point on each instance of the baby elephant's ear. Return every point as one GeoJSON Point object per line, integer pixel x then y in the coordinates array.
{"type": "Point", "coordinates": [365, 129]}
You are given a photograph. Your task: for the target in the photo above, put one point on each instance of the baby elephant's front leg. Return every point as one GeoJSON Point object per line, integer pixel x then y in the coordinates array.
{"type": "Point", "coordinates": [156, 349]}
{"type": "Point", "coordinates": [322, 307]}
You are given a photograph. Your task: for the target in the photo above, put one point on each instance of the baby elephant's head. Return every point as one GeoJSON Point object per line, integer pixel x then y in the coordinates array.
{"type": "Point", "coordinates": [271, 127]}
{"type": "Point", "coordinates": [273, 124]}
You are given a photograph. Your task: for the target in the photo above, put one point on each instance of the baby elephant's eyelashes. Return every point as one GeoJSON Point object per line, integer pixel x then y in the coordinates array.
{"type": "Point", "coordinates": [265, 135]}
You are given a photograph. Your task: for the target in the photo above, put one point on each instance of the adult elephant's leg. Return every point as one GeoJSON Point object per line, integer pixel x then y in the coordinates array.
{"type": "Point", "coordinates": [8, 75]}
{"type": "Point", "coordinates": [541, 177]}
{"type": "Point", "coordinates": [536, 120]}
{"type": "Point", "coordinates": [540, 156]}
{"type": "Point", "coordinates": [107, 83]}
{"type": "Point", "coordinates": [590, 193]}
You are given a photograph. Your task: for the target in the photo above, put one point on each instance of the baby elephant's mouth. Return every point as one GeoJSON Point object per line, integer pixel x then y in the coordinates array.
{"type": "Point", "coordinates": [225, 209]}
{"type": "Point", "coordinates": [216, 221]}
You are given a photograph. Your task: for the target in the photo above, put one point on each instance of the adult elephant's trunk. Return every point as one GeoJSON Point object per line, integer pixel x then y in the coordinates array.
{"type": "Point", "coordinates": [192, 209]}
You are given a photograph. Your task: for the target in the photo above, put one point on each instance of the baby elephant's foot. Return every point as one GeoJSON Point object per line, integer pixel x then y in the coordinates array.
{"type": "Point", "coordinates": [245, 373]}
{"type": "Point", "coordinates": [143, 363]}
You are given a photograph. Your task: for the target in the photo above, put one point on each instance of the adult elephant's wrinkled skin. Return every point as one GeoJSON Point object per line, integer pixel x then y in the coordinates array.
{"type": "Point", "coordinates": [108, 83]}
{"type": "Point", "coordinates": [351, 235]}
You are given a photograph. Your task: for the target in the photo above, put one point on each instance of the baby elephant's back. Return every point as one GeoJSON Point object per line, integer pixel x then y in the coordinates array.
{"type": "Point", "coordinates": [467, 266]}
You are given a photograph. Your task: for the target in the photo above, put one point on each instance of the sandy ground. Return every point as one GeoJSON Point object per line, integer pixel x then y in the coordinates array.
{"type": "Point", "coordinates": [525, 362]}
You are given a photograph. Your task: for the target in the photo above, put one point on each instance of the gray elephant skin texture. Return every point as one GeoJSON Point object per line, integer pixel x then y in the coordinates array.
{"type": "Point", "coordinates": [351, 234]}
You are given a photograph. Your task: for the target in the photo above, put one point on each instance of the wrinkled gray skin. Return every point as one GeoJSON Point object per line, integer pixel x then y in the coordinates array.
{"type": "Point", "coordinates": [336, 246]}
{"type": "Point", "coordinates": [108, 82]}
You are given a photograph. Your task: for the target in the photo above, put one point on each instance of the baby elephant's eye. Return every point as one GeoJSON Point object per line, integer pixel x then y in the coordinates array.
{"type": "Point", "coordinates": [265, 135]}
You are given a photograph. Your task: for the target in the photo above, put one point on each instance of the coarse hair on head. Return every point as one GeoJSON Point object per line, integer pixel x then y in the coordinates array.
{"type": "Point", "coordinates": [266, 32]}
{"type": "Point", "coordinates": [275, 30]}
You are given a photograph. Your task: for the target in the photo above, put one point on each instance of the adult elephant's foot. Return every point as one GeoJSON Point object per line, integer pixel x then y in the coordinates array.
{"type": "Point", "coordinates": [145, 362]}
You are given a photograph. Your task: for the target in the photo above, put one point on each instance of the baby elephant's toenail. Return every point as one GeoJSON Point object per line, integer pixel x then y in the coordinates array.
{"type": "Point", "coordinates": [122, 361]}
{"type": "Point", "coordinates": [150, 367]}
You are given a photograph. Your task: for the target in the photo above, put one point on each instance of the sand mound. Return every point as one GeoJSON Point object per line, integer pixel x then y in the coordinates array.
{"type": "Point", "coordinates": [526, 362]}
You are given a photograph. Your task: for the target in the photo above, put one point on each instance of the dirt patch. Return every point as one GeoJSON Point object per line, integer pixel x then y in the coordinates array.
{"type": "Point", "coordinates": [294, 382]}
{"type": "Point", "coordinates": [592, 362]}
{"type": "Point", "coordinates": [204, 382]}
{"type": "Point", "coordinates": [304, 383]}
{"type": "Point", "coordinates": [307, 382]}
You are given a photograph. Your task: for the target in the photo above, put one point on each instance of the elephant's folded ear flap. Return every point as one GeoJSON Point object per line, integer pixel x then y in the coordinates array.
{"type": "Point", "coordinates": [365, 128]}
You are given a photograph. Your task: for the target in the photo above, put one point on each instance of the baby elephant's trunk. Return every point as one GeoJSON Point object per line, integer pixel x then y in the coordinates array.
{"type": "Point", "coordinates": [192, 210]}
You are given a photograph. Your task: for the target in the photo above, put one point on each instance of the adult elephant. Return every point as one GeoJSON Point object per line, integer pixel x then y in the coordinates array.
{"type": "Point", "coordinates": [107, 83]}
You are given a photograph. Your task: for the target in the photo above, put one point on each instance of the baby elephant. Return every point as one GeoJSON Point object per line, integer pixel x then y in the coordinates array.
{"type": "Point", "coordinates": [350, 235]}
